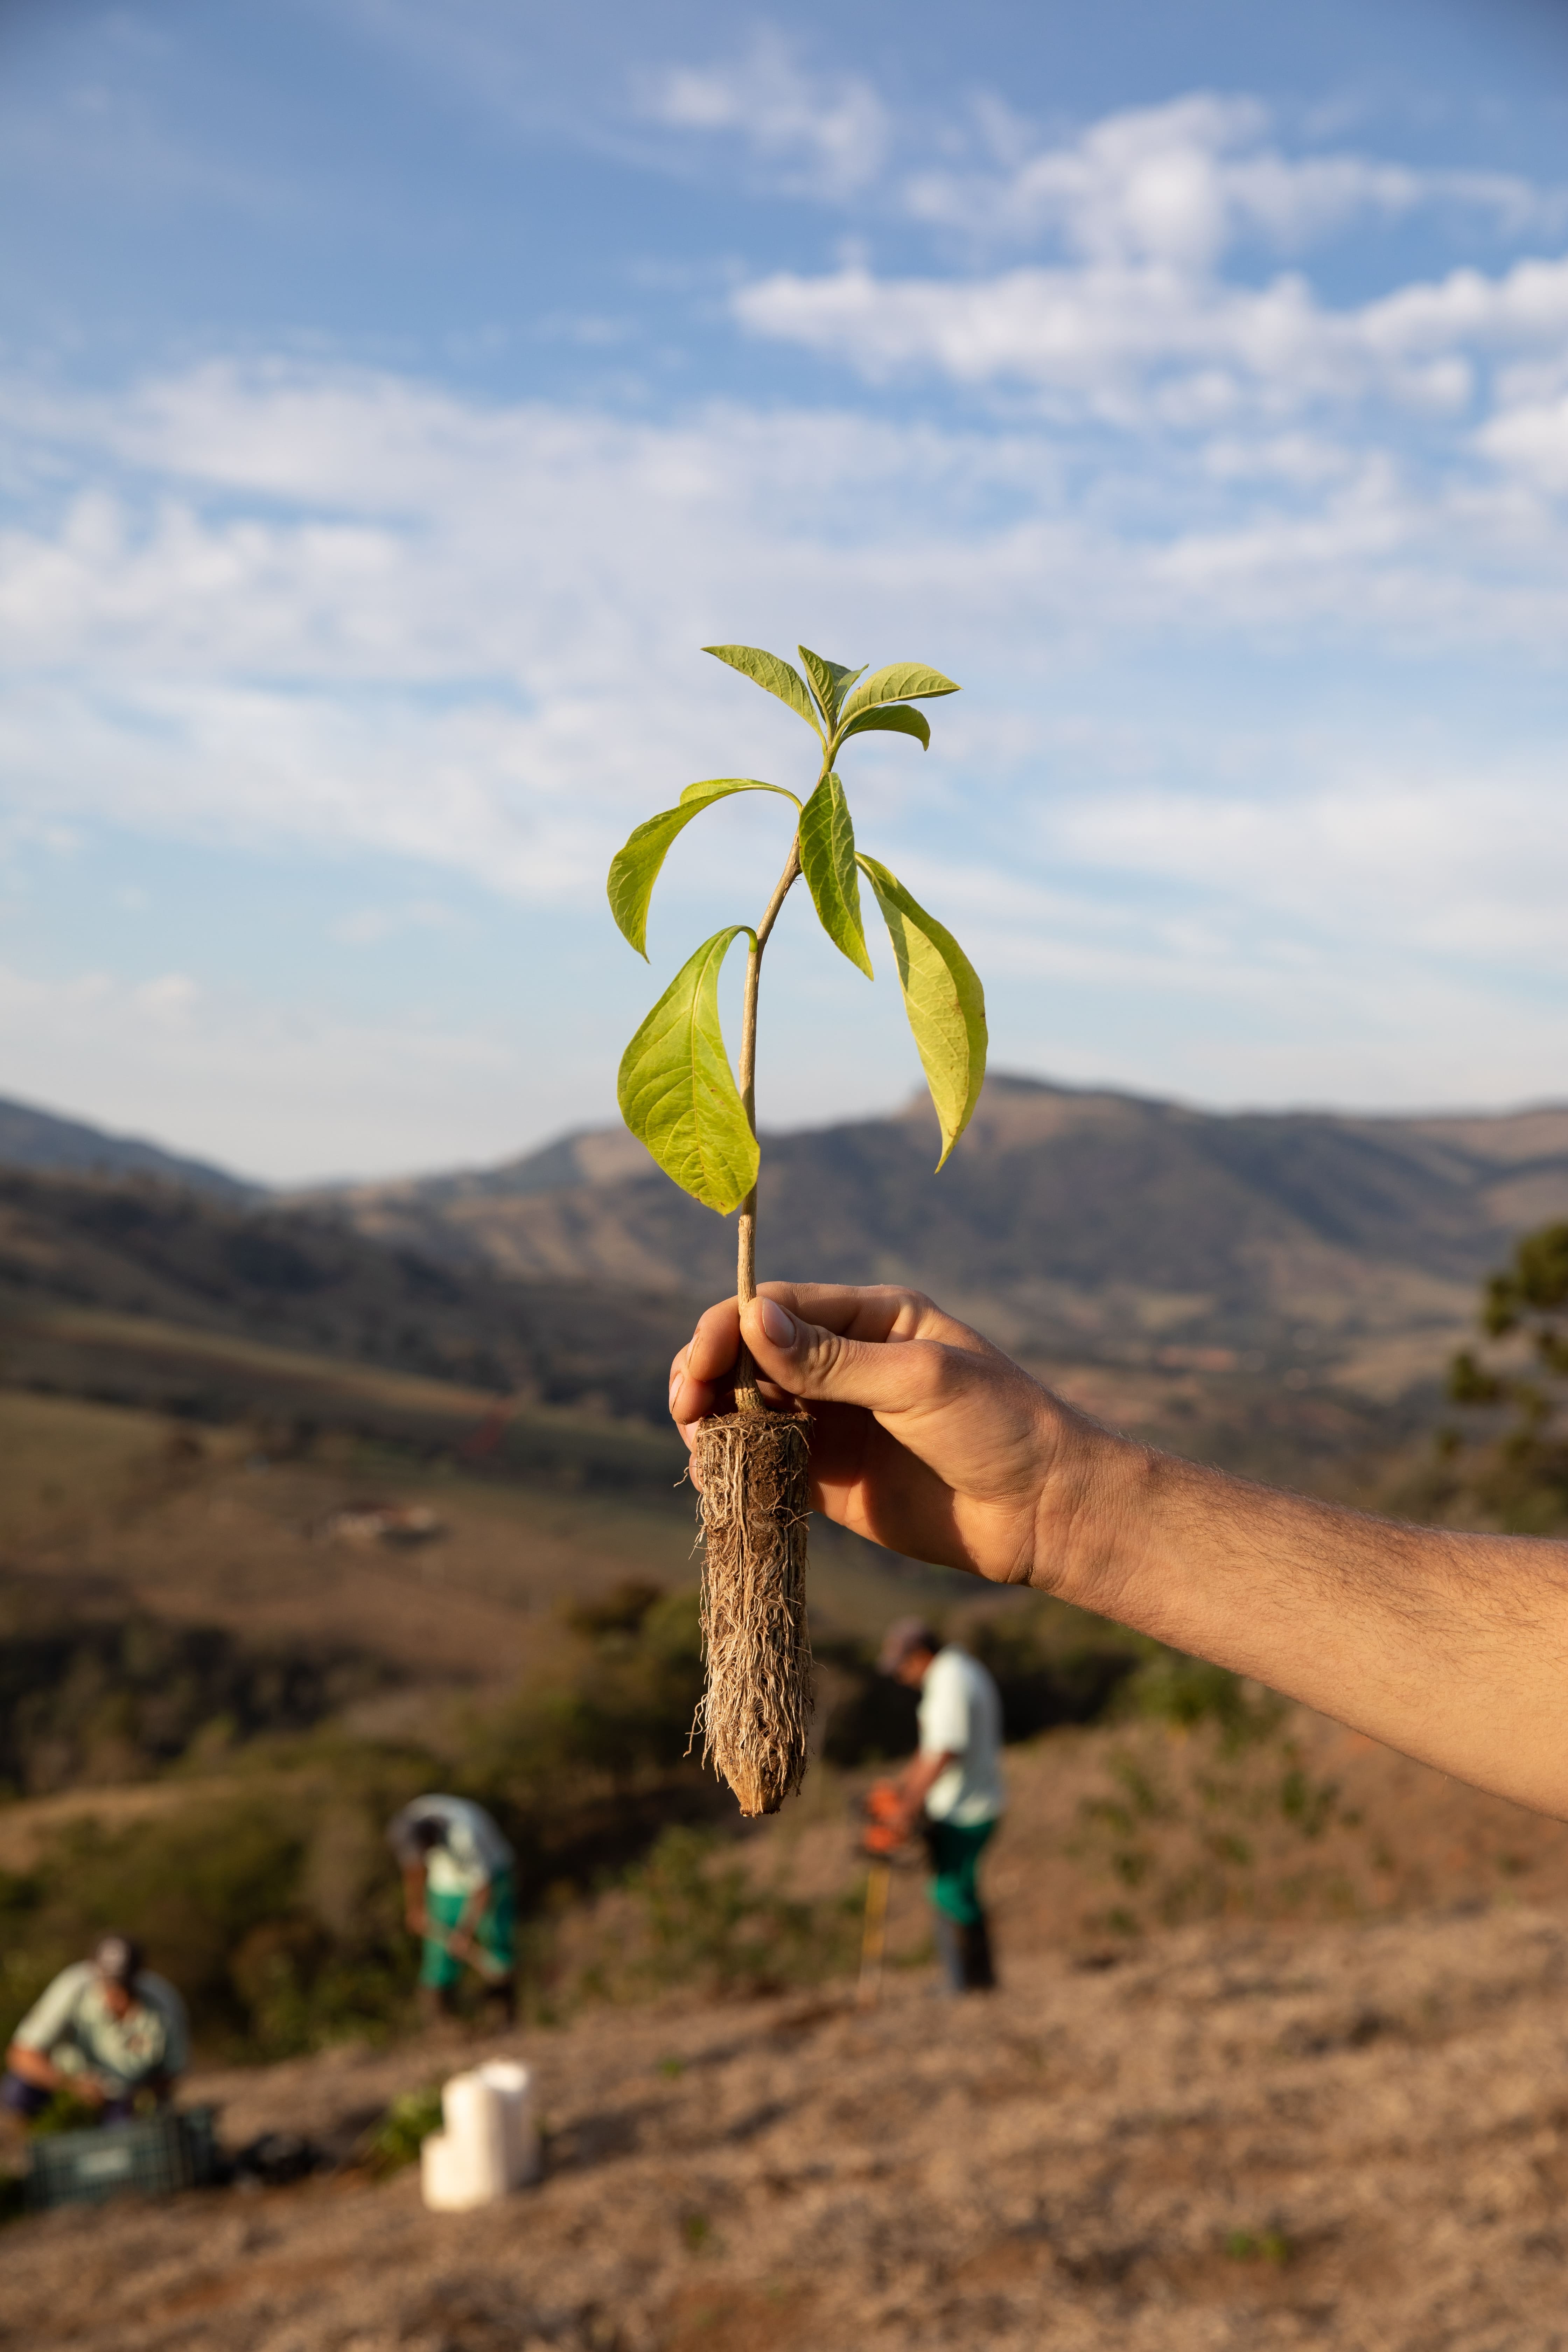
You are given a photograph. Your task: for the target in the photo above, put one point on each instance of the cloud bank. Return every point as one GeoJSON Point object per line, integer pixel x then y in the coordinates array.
{"type": "Point", "coordinates": [1258, 589]}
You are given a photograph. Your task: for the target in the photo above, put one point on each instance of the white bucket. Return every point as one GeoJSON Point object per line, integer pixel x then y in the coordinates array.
{"type": "Point", "coordinates": [491, 2145]}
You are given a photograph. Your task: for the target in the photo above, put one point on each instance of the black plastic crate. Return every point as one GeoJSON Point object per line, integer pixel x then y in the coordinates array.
{"type": "Point", "coordinates": [153, 2158]}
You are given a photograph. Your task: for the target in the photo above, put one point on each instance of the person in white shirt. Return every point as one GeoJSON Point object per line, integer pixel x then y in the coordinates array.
{"type": "Point", "coordinates": [459, 1896]}
{"type": "Point", "coordinates": [951, 1787]}
{"type": "Point", "coordinates": [108, 2030]}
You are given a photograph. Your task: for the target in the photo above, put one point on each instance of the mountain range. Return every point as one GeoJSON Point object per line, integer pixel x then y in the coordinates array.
{"type": "Point", "coordinates": [1071, 1223]}
{"type": "Point", "coordinates": [1068, 1222]}
{"type": "Point", "coordinates": [31, 1137]}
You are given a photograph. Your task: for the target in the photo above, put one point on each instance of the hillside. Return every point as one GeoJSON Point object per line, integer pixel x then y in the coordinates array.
{"type": "Point", "coordinates": [165, 1260]}
{"type": "Point", "coordinates": [30, 1138]}
{"type": "Point", "coordinates": [1072, 1223]}
{"type": "Point", "coordinates": [1348, 2137]}
{"type": "Point", "coordinates": [1079, 1227]}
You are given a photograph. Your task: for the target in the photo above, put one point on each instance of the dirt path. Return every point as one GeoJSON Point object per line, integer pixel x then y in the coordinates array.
{"type": "Point", "coordinates": [1355, 2138]}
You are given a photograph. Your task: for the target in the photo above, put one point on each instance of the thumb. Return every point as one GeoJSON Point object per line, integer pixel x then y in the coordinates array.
{"type": "Point", "coordinates": [883, 1376]}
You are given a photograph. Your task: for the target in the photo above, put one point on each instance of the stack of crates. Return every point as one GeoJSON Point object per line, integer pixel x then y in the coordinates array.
{"type": "Point", "coordinates": [167, 2152]}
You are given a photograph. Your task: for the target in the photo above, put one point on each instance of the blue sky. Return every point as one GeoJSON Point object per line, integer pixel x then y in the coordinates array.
{"type": "Point", "coordinates": [395, 397]}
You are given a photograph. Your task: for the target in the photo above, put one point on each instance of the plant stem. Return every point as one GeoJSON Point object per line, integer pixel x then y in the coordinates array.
{"type": "Point", "coordinates": [748, 1397]}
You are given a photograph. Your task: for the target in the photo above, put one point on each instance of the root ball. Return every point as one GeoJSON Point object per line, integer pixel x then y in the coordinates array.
{"type": "Point", "coordinates": [756, 1708]}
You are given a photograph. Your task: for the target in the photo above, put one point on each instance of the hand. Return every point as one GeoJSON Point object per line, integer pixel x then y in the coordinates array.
{"type": "Point", "coordinates": [417, 1923]}
{"type": "Point", "coordinates": [924, 1436]}
{"type": "Point", "coordinates": [90, 2088]}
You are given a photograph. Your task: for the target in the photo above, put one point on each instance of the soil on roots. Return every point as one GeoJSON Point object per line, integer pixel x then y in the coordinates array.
{"type": "Point", "coordinates": [754, 1471]}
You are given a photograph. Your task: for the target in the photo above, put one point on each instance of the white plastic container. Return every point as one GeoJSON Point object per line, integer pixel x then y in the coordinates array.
{"type": "Point", "coordinates": [491, 2145]}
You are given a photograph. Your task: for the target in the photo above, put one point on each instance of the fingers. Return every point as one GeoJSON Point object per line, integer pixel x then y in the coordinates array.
{"type": "Point", "coordinates": [865, 1316]}
{"type": "Point", "coordinates": [811, 1361]}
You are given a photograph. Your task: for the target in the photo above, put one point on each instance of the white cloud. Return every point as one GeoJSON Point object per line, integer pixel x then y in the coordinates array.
{"type": "Point", "coordinates": [1178, 183]}
{"type": "Point", "coordinates": [331, 608]}
{"type": "Point", "coordinates": [800, 130]}
{"type": "Point", "coordinates": [1531, 440]}
{"type": "Point", "coordinates": [813, 133]}
{"type": "Point", "coordinates": [1146, 343]}
{"type": "Point", "coordinates": [1463, 865]}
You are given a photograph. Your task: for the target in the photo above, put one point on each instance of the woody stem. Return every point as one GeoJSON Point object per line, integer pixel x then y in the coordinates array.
{"type": "Point", "coordinates": [748, 1398]}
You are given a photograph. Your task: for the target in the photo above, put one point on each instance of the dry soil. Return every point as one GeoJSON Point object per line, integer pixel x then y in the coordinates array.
{"type": "Point", "coordinates": [1353, 2137]}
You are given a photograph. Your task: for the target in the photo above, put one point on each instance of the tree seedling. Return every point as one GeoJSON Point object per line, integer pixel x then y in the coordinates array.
{"type": "Point", "coordinates": [679, 1097]}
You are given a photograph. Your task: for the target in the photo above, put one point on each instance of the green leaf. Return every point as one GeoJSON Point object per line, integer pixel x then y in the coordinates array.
{"type": "Point", "coordinates": [635, 868]}
{"type": "Point", "coordinates": [900, 682]}
{"type": "Point", "coordinates": [944, 999]}
{"type": "Point", "coordinates": [827, 862]}
{"type": "Point", "coordinates": [828, 679]}
{"type": "Point", "coordinates": [780, 677]}
{"type": "Point", "coordinates": [897, 718]}
{"type": "Point", "coordinates": [678, 1093]}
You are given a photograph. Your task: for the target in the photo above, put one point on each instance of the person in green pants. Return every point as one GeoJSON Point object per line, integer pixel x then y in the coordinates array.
{"type": "Point", "coordinates": [460, 1897]}
{"type": "Point", "coordinates": [952, 1788]}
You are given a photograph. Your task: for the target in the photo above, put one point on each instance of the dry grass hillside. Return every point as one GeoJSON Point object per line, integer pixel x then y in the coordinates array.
{"type": "Point", "coordinates": [1233, 2133]}
{"type": "Point", "coordinates": [122, 1286]}
{"type": "Point", "coordinates": [1070, 1224]}
{"type": "Point", "coordinates": [1278, 2057]}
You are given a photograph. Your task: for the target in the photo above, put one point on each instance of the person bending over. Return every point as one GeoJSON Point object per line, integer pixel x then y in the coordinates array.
{"type": "Point", "coordinates": [458, 1895]}
{"type": "Point", "coordinates": [951, 1787]}
{"type": "Point", "coordinates": [929, 1440]}
{"type": "Point", "coordinates": [107, 2030]}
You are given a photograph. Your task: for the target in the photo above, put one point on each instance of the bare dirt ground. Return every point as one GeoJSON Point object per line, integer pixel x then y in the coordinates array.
{"type": "Point", "coordinates": [1351, 2137]}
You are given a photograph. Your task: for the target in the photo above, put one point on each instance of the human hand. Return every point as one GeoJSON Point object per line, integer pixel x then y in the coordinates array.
{"type": "Point", "coordinates": [924, 1437]}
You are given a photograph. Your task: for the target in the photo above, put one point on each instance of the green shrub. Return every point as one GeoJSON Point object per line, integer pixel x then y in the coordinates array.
{"type": "Point", "coordinates": [625, 1711]}
{"type": "Point", "coordinates": [703, 1919]}
{"type": "Point", "coordinates": [1213, 1824]}
{"type": "Point", "coordinates": [397, 2139]}
{"type": "Point", "coordinates": [1169, 1688]}
{"type": "Point", "coordinates": [226, 1899]}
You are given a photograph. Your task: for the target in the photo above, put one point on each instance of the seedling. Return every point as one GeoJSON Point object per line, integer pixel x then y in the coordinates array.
{"type": "Point", "coordinates": [679, 1095]}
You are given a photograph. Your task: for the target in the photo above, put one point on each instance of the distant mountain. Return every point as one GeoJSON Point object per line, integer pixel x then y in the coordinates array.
{"type": "Point", "coordinates": [1071, 1223]}
{"type": "Point", "coordinates": [38, 1138]}
{"type": "Point", "coordinates": [296, 1279]}
{"type": "Point", "coordinates": [1068, 1221]}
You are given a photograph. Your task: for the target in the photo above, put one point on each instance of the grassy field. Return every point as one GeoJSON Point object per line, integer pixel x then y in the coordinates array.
{"type": "Point", "coordinates": [233, 1649]}
{"type": "Point", "coordinates": [253, 1597]}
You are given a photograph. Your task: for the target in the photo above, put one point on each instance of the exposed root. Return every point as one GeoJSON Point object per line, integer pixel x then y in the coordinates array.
{"type": "Point", "coordinates": [756, 1710]}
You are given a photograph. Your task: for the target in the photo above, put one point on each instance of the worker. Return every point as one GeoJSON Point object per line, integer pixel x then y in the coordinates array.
{"type": "Point", "coordinates": [926, 1438]}
{"type": "Point", "coordinates": [460, 1897]}
{"type": "Point", "coordinates": [951, 1787]}
{"type": "Point", "coordinates": [107, 2030]}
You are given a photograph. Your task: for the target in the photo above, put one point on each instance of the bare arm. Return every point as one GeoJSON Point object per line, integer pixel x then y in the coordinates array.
{"type": "Point", "coordinates": [916, 1781]}
{"type": "Point", "coordinates": [414, 1917]}
{"type": "Point", "coordinates": [35, 2066]}
{"type": "Point", "coordinates": [462, 1938]}
{"type": "Point", "coordinates": [927, 1439]}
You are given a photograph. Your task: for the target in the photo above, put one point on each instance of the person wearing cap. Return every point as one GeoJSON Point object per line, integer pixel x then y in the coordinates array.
{"type": "Point", "coordinates": [951, 1787]}
{"type": "Point", "coordinates": [459, 1896]}
{"type": "Point", "coordinates": [108, 2030]}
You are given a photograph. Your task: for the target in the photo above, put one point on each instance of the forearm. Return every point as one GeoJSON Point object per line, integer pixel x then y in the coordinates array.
{"type": "Point", "coordinates": [33, 2066]}
{"type": "Point", "coordinates": [929, 1441]}
{"type": "Point", "coordinates": [919, 1777]}
{"type": "Point", "coordinates": [1451, 1647]}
